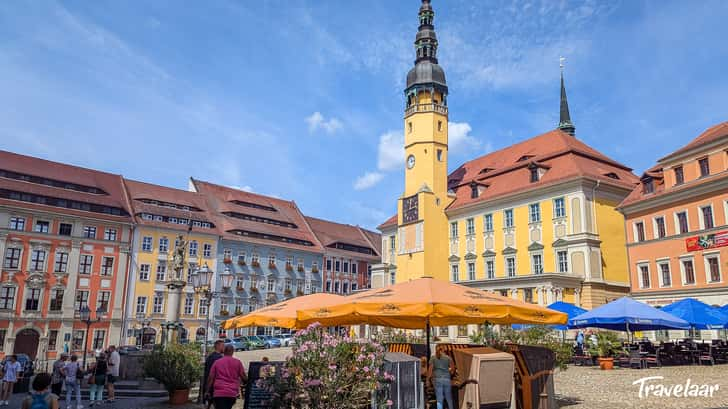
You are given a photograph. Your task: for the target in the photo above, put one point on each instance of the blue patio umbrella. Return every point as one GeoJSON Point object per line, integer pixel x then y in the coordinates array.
{"type": "Point", "coordinates": [569, 309]}
{"type": "Point", "coordinates": [697, 313]}
{"type": "Point", "coordinates": [626, 314]}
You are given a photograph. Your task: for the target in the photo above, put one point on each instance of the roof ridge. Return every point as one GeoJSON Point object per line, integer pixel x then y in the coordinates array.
{"type": "Point", "coordinates": [61, 163]}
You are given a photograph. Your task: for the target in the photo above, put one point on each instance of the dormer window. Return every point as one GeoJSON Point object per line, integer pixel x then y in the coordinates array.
{"type": "Point", "coordinates": [648, 185]}
{"type": "Point", "coordinates": [612, 175]}
{"type": "Point", "coordinates": [485, 170]}
{"type": "Point", "coordinates": [474, 190]}
{"type": "Point", "coordinates": [524, 158]}
{"type": "Point", "coordinates": [534, 174]}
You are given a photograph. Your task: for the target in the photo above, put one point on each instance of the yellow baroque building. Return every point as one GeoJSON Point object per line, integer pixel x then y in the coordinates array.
{"type": "Point", "coordinates": [534, 221]}
{"type": "Point", "coordinates": [162, 214]}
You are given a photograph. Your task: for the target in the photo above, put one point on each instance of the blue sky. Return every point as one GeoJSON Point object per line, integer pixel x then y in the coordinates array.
{"type": "Point", "coordinates": [303, 99]}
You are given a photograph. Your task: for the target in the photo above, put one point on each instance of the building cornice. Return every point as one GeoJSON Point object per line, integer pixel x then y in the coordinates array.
{"type": "Point", "coordinates": [720, 183]}
{"type": "Point", "coordinates": [531, 279]}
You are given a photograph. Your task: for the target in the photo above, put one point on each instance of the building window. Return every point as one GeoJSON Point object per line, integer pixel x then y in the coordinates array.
{"type": "Point", "coordinates": [163, 245]}
{"type": "Point", "coordinates": [271, 285]}
{"type": "Point", "coordinates": [471, 271]}
{"type": "Point", "coordinates": [688, 271]}
{"type": "Point", "coordinates": [7, 298]}
{"type": "Point", "coordinates": [534, 174]}
{"type": "Point", "coordinates": [41, 226]}
{"type": "Point", "coordinates": [707, 213]}
{"type": "Point", "coordinates": [660, 227]}
{"type": "Point", "coordinates": [32, 300]}
{"type": "Point", "coordinates": [144, 272]}
{"type": "Point", "coordinates": [328, 286]}
{"type": "Point", "coordinates": [713, 268]}
{"type": "Point", "coordinates": [462, 331]}
{"type": "Point", "coordinates": [107, 267]}
{"type": "Point", "coordinates": [89, 232]}
{"type": "Point", "coordinates": [99, 336]}
{"type": "Point", "coordinates": [141, 306]}
{"type": "Point", "coordinates": [470, 226]}
{"type": "Point", "coordinates": [474, 190]}
{"type": "Point", "coordinates": [511, 266]}
{"type": "Point", "coordinates": [161, 271]}
{"type": "Point", "coordinates": [336, 287]}
{"type": "Point", "coordinates": [488, 222]}
{"type": "Point", "coordinates": [77, 340]}
{"type": "Point", "coordinates": [648, 186]}
{"type": "Point", "coordinates": [534, 213]}
{"type": "Point", "coordinates": [455, 273]}
{"type": "Point", "coordinates": [81, 300]}
{"type": "Point", "coordinates": [562, 258]}
{"type": "Point", "coordinates": [537, 263]}
{"type": "Point", "coordinates": [439, 154]}
{"type": "Point", "coordinates": [85, 264]}
{"type": "Point", "coordinates": [353, 267]}
{"type": "Point", "coordinates": [528, 295]}
{"type": "Point", "coordinates": [37, 260]}
{"type": "Point", "coordinates": [644, 276]}
{"type": "Point", "coordinates": [443, 331]}
{"type": "Point", "coordinates": [346, 266]}
{"type": "Point", "coordinates": [202, 308]}
{"type": "Point", "coordinates": [207, 250]}
{"type": "Point", "coordinates": [110, 234]}
{"type": "Point", "coordinates": [272, 260]}
{"type": "Point", "coordinates": [704, 167]}
{"type": "Point", "coordinates": [490, 269]}
{"type": "Point", "coordinates": [328, 264]}
{"type": "Point", "coordinates": [64, 229]}
{"type": "Point", "coordinates": [147, 244]}
{"type": "Point", "coordinates": [56, 303]}
{"type": "Point", "coordinates": [453, 230]}
{"type": "Point", "coordinates": [559, 207]}
{"type": "Point", "coordinates": [679, 176]}
{"type": "Point", "coordinates": [12, 258]}
{"type": "Point", "coordinates": [17, 223]}
{"type": "Point", "coordinates": [682, 222]}
{"type": "Point", "coordinates": [193, 248]}
{"type": "Point", "coordinates": [189, 304]}
{"type": "Point", "coordinates": [508, 218]}
{"type": "Point", "coordinates": [639, 228]}
{"type": "Point", "coordinates": [157, 302]}
{"type": "Point", "coordinates": [665, 274]}
{"type": "Point", "coordinates": [52, 340]}
{"type": "Point", "coordinates": [337, 266]}
{"type": "Point", "coordinates": [61, 263]}
{"type": "Point", "coordinates": [102, 301]}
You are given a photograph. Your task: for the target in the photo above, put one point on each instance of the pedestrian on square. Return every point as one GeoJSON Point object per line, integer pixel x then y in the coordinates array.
{"type": "Point", "coordinates": [440, 373]}
{"type": "Point", "coordinates": [216, 354]}
{"type": "Point", "coordinates": [57, 375]}
{"type": "Point", "coordinates": [226, 376]}
{"type": "Point", "coordinates": [11, 372]}
{"type": "Point", "coordinates": [114, 362]}
{"type": "Point", "coordinates": [97, 381]}
{"type": "Point", "coordinates": [41, 398]}
{"type": "Point", "coordinates": [73, 374]}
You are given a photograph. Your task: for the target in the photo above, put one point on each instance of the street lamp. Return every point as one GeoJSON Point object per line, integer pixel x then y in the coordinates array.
{"type": "Point", "coordinates": [85, 314]}
{"type": "Point", "coordinates": [202, 283]}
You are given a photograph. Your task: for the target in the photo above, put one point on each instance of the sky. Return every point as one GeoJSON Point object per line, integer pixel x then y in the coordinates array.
{"type": "Point", "coordinates": [303, 100]}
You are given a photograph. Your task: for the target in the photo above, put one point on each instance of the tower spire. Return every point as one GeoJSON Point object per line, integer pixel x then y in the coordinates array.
{"type": "Point", "coordinates": [426, 72]}
{"type": "Point", "coordinates": [565, 123]}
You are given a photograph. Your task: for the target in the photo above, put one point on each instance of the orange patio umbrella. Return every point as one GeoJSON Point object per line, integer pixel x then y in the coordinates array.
{"type": "Point", "coordinates": [282, 314]}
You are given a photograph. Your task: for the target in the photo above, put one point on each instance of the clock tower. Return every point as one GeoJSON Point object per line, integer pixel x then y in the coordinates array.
{"type": "Point", "coordinates": [422, 224]}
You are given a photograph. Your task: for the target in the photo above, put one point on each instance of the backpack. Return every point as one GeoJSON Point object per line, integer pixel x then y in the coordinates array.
{"type": "Point", "coordinates": [39, 401]}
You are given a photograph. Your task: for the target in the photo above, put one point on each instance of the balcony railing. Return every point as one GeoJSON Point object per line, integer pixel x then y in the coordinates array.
{"type": "Point", "coordinates": [431, 107]}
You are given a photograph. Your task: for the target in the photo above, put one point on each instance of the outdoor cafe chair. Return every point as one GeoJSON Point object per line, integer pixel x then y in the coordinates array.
{"type": "Point", "coordinates": [706, 355]}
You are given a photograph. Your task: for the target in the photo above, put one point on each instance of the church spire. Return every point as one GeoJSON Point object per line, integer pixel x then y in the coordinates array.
{"type": "Point", "coordinates": [426, 72]}
{"type": "Point", "coordinates": [565, 123]}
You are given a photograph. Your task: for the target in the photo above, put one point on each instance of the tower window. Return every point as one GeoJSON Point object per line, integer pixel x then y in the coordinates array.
{"type": "Point", "coordinates": [409, 127]}
{"type": "Point", "coordinates": [439, 126]}
{"type": "Point", "coordinates": [439, 155]}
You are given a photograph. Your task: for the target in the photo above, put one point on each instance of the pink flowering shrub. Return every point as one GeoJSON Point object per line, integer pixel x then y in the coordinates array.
{"type": "Point", "coordinates": [330, 372]}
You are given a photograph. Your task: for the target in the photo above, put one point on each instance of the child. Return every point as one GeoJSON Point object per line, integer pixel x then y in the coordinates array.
{"type": "Point", "coordinates": [41, 397]}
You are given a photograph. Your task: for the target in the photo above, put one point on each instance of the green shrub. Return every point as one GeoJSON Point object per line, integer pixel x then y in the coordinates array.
{"type": "Point", "coordinates": [175, 366]}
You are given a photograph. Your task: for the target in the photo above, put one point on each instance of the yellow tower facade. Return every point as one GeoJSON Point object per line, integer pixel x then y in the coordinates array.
{"type": "Point", "coordinates": [425, 137]}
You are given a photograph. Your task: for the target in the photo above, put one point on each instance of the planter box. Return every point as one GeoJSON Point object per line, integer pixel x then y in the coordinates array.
{"type": "Point", "coordinates": [406, 391]}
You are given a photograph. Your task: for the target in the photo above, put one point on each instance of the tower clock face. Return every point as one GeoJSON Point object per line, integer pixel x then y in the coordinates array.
{"type": "Point", "coordinates": [410, 161]}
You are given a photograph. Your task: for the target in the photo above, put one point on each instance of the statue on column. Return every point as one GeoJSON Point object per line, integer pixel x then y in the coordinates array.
{"type": "Point", "coordinates": [178, 259]}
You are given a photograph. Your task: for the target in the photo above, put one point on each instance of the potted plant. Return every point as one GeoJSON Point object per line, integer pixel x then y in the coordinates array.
{"type": "Point", "coordinates": [255, 263]}
{"type": "Point", "coordinates": [289, 267]}
{"type": "Point", "coordinates": [177, 367]}
{"type": "Point", "coordinates": [287, 292]}
{"type": "Point", "coordinates": [227, 260]}
{"type": "Point", "coordinates": [607, 344]}
{"type": "Point", "coordinates": [224, 313]}
{"type": "Point", "coordinates": [240, 288]}
{"type": "Point", "coordinates": [314, 269]}
{"type": "Point", "coordinates": [271, 265]}
{"type": "Point", "coordinates": [254, 290]}
{"type": "Point", "coordinates": [238, 311]}
{"type": "Point", "coordinates": [241, 262]}
{"type": "Point", "coordinates": [299, 293]}
{"type": "Point", "coordinates": [301, 269]}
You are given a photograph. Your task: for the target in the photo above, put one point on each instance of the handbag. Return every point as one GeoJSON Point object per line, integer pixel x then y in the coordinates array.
{"type": "Point", "coordinates": [79, 372]}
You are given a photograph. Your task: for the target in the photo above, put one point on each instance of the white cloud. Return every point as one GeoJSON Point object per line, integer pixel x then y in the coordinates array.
{"type": "Point", "coordinates": [318, 121]}
{"type": "Point", "coordinates": [368, 180]}
{"type": "Point", "coordinates": [459, 138]}
{"type": "Point", "coordinates": [391, 151]}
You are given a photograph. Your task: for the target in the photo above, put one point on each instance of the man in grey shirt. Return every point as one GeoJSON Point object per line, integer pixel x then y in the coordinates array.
{"type": "Point", "coordinates": [113, 363]}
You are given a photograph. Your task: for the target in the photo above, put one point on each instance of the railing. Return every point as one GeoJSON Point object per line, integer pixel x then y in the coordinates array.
{"type": "Point", "coordinates": [431, 107]}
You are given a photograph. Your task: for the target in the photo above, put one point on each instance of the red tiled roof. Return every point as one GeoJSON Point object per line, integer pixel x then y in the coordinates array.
{"type": "Point", "coordinates": [221, 197]}
{"type": "Point", "coordinates": [109, 183]}
{"type": "Point", "coordinates": [142, 190]}
{"type": "Point", "coordinates": [330, 233]}
{"type": "Point", "coordinates": [711, 134]}
{"type": "Point", "coordinates": [392, 221]}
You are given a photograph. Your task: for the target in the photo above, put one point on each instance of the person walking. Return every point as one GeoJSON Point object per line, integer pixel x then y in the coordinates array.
{"type": "Point", "coordinates": [440, 372]}
{"type": "Point", "coordinates": [226, 376]}
{"type": "Point", "coordinates": [216, 354]}
{"type": "Point", "coordinates": [57, 375]}
{"type": "Point", "coordinates": [41, 398]}
{"type": "Point", "coordinates": [114, 363]}
{"type": "Point", "coordinates": [11, 372]}
{"type": "Point", "coordinates": [97, 381]}
{"type": "Point", "coordinates": [73, 374]}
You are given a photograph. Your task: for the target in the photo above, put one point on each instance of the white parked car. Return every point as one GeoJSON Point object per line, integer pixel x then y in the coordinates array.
{"type": "Point", "coordinates": [286, 339]}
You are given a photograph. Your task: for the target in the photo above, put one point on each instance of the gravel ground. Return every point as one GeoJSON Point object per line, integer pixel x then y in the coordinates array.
{"type": "Point", "coordinates": [590, 387]}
